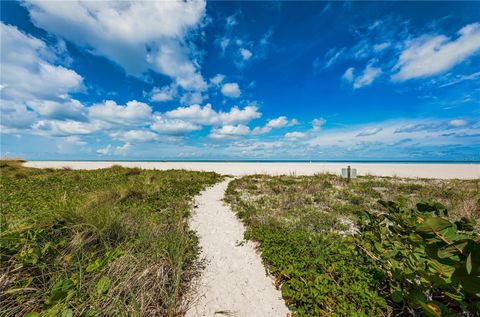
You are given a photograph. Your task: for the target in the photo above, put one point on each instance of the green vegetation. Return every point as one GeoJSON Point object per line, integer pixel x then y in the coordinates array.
{"type": "Point", "coordinates": [428, 262]}
{"type": "Point", "coordinates": [109, 242]}
{"type": "Point", "coordinates": [337, 248]}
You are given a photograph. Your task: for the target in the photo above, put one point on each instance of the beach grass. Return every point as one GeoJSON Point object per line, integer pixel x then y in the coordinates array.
{"type": "Point", "coordinates": [310, 236]}
{"type": "Point", "coordinates": [108, 242]}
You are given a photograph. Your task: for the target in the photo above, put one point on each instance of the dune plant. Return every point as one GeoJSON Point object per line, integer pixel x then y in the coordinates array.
{"type": "Point", "coordinates": [430, 263]}
{"type": "Point", "coordinates": [330, 258]}
{"type": "Point", "coordinates": [108, 242]}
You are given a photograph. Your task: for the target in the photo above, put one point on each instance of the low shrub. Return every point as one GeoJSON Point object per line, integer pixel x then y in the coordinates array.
{"type": "Point", "coordinates": [335, 250]}
{"type": "Point", "coordinates": [430, 263]}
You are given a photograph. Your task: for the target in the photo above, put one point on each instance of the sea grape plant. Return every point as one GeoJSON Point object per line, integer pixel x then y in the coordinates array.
{"type": "Point", "coordinates": [430, 264]}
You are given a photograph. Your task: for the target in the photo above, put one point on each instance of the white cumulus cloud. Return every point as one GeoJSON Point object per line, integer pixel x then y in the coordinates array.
{"type": "Point", "coordinates": [67, 127]}
{"type": "Point", "coordinates": [60, 110]}
{"type": "Point", "coordinates": [370, 131]}
{"type": "Point", "coordinates": [231, 90]}
{"type": "Point", "coordinates": [295, 135]}
{"type": "Point", "coordinates": [229, 131]}
{"type": "Point", "coordinates": [430, 55]}
{"type": "Point", "coordinates": [457, 122]}
{"type": "Point", "coordinates": [165, 93]}
{"type": "Point", "coordinates": [132, 113]}
{"type": "Point", "coordinates": [195, 113]}
{"type": "Point", "coordinates": [369, 74]}
{"type": "Point", "coordinates": [237, 115]}
{"type": "Point", "coordinates": [207, 116]}
{"type": "Point", "coordinates": [29, 77]}
{"type": "Point", "coordinates": [173, 126]}
{"type": "Point", "coordinates": [348, 75]}
{"type": "Point", "coordinates": [28, 70]}
{"type": "Point", "coordinates": [318, 123]}
{"type": "Point", "coordinates": [217, 79]}
{"type": "Point", "coordinates": [136, 35]}
{"type": "Point", "coordinates": [119, 150]}
{"type": "Point", "coordinates": [135, 135]}
{"type": "Point", "coordinates": [15, 117]}
{"type": "Point", "coordinates": [276, 123]}
{"type": "Point", "coordinates": [246, 54]}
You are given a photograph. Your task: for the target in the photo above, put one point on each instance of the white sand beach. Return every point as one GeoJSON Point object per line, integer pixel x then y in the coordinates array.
{"type": "Point", "coordinates": [439, 171]}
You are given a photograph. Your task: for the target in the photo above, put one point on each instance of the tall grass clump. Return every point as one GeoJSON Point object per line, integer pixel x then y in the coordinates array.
{"type": "Point", "coordinates": [109, 242]}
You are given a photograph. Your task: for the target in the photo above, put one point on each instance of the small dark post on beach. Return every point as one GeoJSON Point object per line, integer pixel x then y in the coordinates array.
{"type": "Point", "coordinates": [348, 173]}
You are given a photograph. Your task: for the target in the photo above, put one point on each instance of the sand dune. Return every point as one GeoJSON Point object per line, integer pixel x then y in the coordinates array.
{"type": "Point", "coordinates": [442, 171]}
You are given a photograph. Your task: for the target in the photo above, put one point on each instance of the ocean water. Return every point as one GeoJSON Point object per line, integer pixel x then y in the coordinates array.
{"type": "Point", "coordinates": [283, 161]}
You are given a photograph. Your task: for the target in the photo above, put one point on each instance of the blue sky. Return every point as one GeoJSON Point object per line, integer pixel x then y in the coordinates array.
{"type": "Point", "coordinates": [240, 80]}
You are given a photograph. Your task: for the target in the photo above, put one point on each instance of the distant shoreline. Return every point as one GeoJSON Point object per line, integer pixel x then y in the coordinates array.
{"type": "Point", "coordinates": [408, 170]}
{"type": "Point", "coordinates": [277, 161]}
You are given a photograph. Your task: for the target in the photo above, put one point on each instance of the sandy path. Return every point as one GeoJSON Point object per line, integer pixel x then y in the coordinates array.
{"type": "Point", "coordinates": [234, 282]}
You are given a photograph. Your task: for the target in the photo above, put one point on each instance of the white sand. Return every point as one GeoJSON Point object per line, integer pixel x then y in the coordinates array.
{"type": "Point", "coordinates": [234, 282]}
{"type": "Point", "coordinates": [444, 171]}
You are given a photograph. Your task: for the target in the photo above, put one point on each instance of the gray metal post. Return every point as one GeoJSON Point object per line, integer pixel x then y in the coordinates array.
{"type": "Point", "coordinates": [348, 173]}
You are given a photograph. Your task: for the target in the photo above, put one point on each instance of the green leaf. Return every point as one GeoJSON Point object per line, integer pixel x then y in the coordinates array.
{"type": "Point", "coordinates": [443, 270]}
{"type": "Point", "coordinates": [431, 309]}
{"type": "Point", "coordinates": [435, 207]}
{"type": "Point", "coordinates": [32, 314]}
{"type": "Point", "coordinates": [469, 283]}
{"type": "Point", "coordinates": [111, 255]}
{"type": "Point", "coordinates": [452, 249]}
{"type": "Point", "coordinates": [93, 266]}
{"type": "Point", "coordinates": [415, 297]}
{"type": "Point", "coordinates": [450, 233]}
{"type": "Point", "coordinates": [431, 250]}
{"type": "Point", "coordinates": [103, 285]}
{"type": "Point", "coordinates": [455, 297]}
{"type": "Point", "coordinates": [433, 224]}
{"type": "Point", "coordinates": [106, 258]}
{"type": "Point", "coordinates": [67, 313]}
{"type": "Point", "coordinates": [468, 263]}
{"type": "Point", "coordinates": [474, 258]}
{"type": "Point", "coordinates": [397, 274]}
{"type": "Point", "coordinates": [378, 247]}
{"type": "Point", "coordinates": [415, 238]}
{"type": "Point", "coordinates": [397, 296]}
{"type": "Point", "coordinates": [390, 205]}
{"type": "Point", "coordinates": [60, 289]}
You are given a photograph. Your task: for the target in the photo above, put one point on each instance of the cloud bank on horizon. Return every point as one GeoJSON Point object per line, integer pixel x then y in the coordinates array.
{"type": "Point", "coordinates": [197, 80]}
